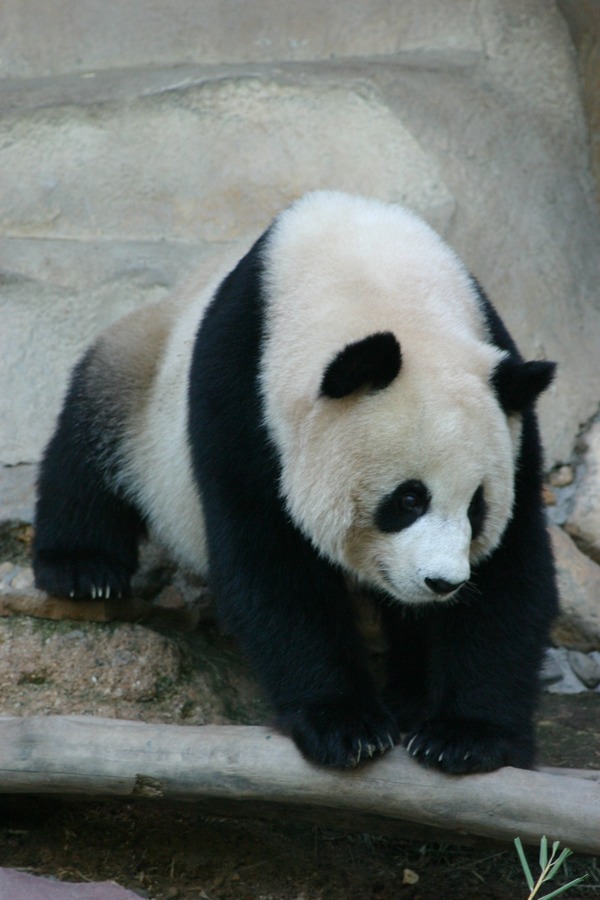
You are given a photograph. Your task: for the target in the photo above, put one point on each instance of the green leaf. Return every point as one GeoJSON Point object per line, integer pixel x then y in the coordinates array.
{"type": "Point", "coordinates": [556, 866]}
{"type": "Point", "coordinates": [564, 888]}
{"type": "Point", "coordinates": [524, 864]}
{"type": "Point", "coordinates": [543, 852]}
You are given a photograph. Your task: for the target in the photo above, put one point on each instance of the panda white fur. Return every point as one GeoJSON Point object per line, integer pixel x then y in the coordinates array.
{"type": "Point", "coordinates": [345, 402]}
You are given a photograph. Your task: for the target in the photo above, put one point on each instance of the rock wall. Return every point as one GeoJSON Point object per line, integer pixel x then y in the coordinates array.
{"type": "Point", "coordinates": [139, 139]}
{"type": "Point", "coordinates": [583, 19]}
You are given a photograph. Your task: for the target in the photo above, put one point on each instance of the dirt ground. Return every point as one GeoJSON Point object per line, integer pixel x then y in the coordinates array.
{"type": "Point", "coordinates": [166, 853]}
{"type": "Point", "coordinates": [189, 852]}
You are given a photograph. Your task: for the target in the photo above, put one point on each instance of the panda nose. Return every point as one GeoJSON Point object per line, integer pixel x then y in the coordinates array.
{"type": "Point", "coordinates": [440, 586]}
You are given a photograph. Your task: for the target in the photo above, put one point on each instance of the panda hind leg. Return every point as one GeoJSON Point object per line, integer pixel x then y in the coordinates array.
{"type": "Point", "coordinates": [85, 558]}
{"type": "Point", "coordinates": [86, 534]}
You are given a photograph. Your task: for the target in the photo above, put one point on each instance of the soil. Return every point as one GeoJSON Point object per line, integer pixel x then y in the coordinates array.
{"type": "Point", "coordinates": [165, 853]}
{"type": "Point", "coordinates": [195, 852]}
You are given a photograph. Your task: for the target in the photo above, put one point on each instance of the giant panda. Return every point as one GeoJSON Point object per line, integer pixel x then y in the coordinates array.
{"type": "Point", "coordinates": [344, 407]}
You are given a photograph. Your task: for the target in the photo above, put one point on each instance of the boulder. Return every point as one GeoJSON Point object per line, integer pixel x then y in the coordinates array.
{"type": "Point", "coordinates": [151, 142]}
{"type": "Point", "coordinates": [578, 626]}
{"type": "Point", "coordinates": [583, 19]}
{"type": "Point", "coordinates": [583, 523]}
{"type": "Point", "coordinates": [24, 886]}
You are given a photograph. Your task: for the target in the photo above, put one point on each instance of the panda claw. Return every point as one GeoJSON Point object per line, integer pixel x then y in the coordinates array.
{"type": "Point", "coordinates": [409, 745]}
{"type": "Point", "coordinates": [391, 742]}
{"type": "Point", "coordinates": [93, 591]}
{"type": "Point", "coordinates": [72, 594]}
{"type": "Point", "coordinates": [107, 594]}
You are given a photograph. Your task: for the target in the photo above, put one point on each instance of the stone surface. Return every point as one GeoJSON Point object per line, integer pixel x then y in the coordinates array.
{"type": "Point", "coordinates": [471, 115]}
{"type": "Point", "coordinates": [123, 670]}
{"type": "Point", "coordinates": [579, 586]}
{"type": "Point", "coordinates": [584, 520]}
{"type": "Point", "coordinates": [17, 490]}
{"type": "Point", "coordinates": [558, 676]}
{"type": "Point", "coordinates": [583, 18]}
{"type": "Point", "coordinates": [15, 885]}
{"type": "Point", "coordinates": [190, 188]}
{"type": "Point", "coordinates": [82, 36]}
{"type": "Point", "coordinates": [586, 667]}
{"type": "Point", "coordinates": [559, 502]}
{"type": "Point", "coordinates": [562, 476]}
{"type": "Point", "coordinates": [99, 664]}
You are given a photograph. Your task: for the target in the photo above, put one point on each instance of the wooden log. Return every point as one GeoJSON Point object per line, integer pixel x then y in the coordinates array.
{"type": "Point", "coordinates": [78, 755]}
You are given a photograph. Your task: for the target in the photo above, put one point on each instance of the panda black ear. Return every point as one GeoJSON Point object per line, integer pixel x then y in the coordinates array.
{"type": "Point", "coordinates": [518, 384]}
{"type": "Point", "coordinates": [373, 361]}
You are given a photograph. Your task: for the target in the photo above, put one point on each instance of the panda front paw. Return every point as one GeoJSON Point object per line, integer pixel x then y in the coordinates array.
{"type": "Point", "coordinates": [340, 734]}
{"type": "Point", "coordinates": [463, 746]}
{"type": "Point", "coordinates": [81, 577]}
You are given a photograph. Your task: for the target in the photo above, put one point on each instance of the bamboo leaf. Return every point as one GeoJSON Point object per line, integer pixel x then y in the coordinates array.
{"type": "Point", "coordinates": [564, 888]}
{"type": "Point", "coordinates": [543, 852]}
{"type": "Point", "coordinates": [524, 864]}
{"type": "Point", "coordinates": [559, 862]}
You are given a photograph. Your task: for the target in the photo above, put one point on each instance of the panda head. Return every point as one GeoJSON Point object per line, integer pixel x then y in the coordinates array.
{"type": "Point", "coordinates": [396, 421]}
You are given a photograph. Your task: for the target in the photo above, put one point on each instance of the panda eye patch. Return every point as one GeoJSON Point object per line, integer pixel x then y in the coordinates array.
{"type": "Point", "coordinates": [477, 512]}
{"type": "Point", "coordinates": [402, 507]}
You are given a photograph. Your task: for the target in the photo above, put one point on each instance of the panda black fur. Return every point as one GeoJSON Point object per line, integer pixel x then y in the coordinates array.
{"type": "Point", "coordinates": [346, 402]}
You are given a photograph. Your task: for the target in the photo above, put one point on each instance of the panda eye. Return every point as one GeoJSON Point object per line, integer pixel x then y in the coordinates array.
{"type": "Point", "coordinates": [477, 512]}
{"type": "Point", "coordinates": [402, 507]}
{"type": "Point", "coordinates": [409, 500]}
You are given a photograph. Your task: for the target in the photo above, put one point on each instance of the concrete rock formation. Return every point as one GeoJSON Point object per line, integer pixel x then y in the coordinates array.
{"type": "Point", "coordinates": [140, 139]}
{"type": "Point", "coordinates": [583, 523]}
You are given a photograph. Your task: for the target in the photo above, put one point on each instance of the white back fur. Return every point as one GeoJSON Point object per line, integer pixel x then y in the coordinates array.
{"type": "Point", "coordinates": [338, 268]}
{"type": "Point", "coordinates": [157, 467]}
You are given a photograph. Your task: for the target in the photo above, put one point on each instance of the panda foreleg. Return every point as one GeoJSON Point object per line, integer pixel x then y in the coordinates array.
{"type": "Point", "coordinates": [86, 535]}
{"type": "Point", "coordinates": [485, 660]}
{"type": "Point", "coordinates": [479, 714]}
{"type": "Point", "coordinates": [292, 616]}
{"type": "Point", "coordinates": [408, 660]}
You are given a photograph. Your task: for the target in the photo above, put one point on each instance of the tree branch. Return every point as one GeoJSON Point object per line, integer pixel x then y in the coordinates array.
{"type": "Point", "coordinates": [80, 755]}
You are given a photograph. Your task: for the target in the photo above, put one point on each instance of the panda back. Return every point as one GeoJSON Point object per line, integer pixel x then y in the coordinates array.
{"type": "Point", "coordinates": [156, 466]}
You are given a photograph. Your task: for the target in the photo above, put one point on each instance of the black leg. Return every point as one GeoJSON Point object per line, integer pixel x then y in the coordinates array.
{"type": "Point", "coordinates": [293, 618]}
{"type": "Point", "coordinates": [408, 663]}
{"type": "Point", "coordinates": [486, 655]}
{"type": "Point", "coordinates": [86, 535]}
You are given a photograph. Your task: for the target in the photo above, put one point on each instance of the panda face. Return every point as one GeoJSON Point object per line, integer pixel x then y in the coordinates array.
{"type": "Point", "coordinates": [446, 560]}
{"type": "Point", "coordinates": [423, 555]}
{"type": "Point", "coordinates": [408, 486]}
{"type": "Point", "coordinates": [433, 501]}
{"type": "Point", "coordinates": [397, 461]}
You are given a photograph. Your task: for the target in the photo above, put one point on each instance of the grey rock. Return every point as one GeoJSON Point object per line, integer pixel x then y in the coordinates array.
{"type": "Point", "coordinates": [584, 520]}
{"type": "Point", "coordinates": [474, 120]}
{"type": "Point", "coordinates": [578, 625]}
{"type": "Point", "coordinates": [560, 678]}
{"type": "Point", "coordinates": [586, 667]}
{"type": "Point", "coordinates": [148, 33]}
{"type": "Point", "coordinates": [18, 885]}
{"type": "Point", "coordinates": [552, 669]}
{"type": "Point", "coordinates": [17, 488]}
